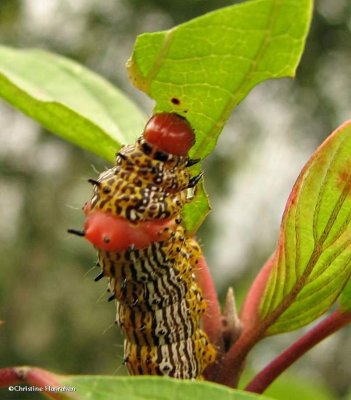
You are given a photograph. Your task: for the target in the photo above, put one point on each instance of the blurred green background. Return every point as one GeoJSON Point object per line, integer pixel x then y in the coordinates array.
{"type": "Point", "coordinates": [55, 316]}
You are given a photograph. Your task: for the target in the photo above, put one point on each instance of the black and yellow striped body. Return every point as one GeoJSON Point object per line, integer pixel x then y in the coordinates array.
{"type": "Point", "coordinates": [159, 303]}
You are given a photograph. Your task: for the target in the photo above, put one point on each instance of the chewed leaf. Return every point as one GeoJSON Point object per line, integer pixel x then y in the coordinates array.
{"type": "Point", "coordinates": [203, 68]}
{"type": "Point", "coordinates": [312, 263]}
{"type": "Point", "coordinates": [69, 100]}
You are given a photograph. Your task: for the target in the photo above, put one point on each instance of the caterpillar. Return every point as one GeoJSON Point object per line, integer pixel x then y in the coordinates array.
{"type": "Point", "coordinates": [133, 220]}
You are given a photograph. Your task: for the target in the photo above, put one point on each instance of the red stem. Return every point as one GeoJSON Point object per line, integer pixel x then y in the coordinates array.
{"type": "Point", "coordinates": [329, 325]}
{"type": "Point", "coordinates": [234, 360]}
{"type": "Point", "coordinates": [253, 330]}
{"type": "Point", "coordinates": [34, 376]}
{"type": "Point", "coordinates": [212, 320]}
{"type": "Point", "coordinates": [249, 314]}
{"type": "Point", "coordinates": [8, 377]}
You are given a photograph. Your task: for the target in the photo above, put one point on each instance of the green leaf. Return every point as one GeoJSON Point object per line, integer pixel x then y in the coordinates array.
{"type": "Point", "coordinates": [203, 68]}
{"type": "Point", "coordinates": [312, 262]}
{"type": "Point", "coordinates": [345, 298]}
{"type": "Point", "coordinates": [195, 212]}
{"type": "Point", "coordinates": [69, 100]}
{"type": "Point", "coordinates": [96, 387]}
{"type": "Point", "coordinates": [147, 388]}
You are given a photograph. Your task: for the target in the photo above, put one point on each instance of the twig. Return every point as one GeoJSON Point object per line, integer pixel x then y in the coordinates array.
{"type": "Point", "coordinates": [325, 328]}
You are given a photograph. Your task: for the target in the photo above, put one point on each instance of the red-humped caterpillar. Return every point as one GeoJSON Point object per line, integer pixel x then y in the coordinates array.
{"type": "Point", "coordinates": [133, 220]}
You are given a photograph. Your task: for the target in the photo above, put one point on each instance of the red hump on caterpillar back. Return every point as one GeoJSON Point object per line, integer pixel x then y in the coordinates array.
{"type": "Point", "coordinates": [111, 233]}
{"type": "Point", "coordinates": [170, 133]}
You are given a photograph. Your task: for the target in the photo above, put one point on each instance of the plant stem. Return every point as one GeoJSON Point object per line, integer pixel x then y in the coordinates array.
{"type": "Point", "coordinates": [234, 360]}
{"type": "Point", "coordinates": [34, 376]}
{"type": "Point", "coordinates": [329, 325]}
{"type": "Point", "coordinates": [9, 376]}
{"type": "Point", "coordinates": [249, 314]}
{"type": "Point", "coordinates": [212, 320]}
{"type": "Point", "coordinates": [252, 330]}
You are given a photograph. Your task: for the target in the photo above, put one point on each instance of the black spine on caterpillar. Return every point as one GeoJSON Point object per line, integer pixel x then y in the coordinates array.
{"type": "Point", "coordinates": [133, 219]}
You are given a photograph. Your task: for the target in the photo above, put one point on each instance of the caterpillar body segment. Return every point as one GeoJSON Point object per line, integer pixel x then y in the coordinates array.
{"type": "Point", "coordinates": [163, 325]}
{"type": "Point", "coordinates": [185, 359]}
{"type": "Point", "coordinates": [155, 261]}
{"type": "Point", "coordinates": [141, 187]}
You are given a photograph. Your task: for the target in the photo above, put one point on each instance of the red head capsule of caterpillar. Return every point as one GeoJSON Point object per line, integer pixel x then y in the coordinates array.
{"type": "Point", "coordinates": [170, 133]}
{"type": "Point", "coordinates": [111, 233]}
